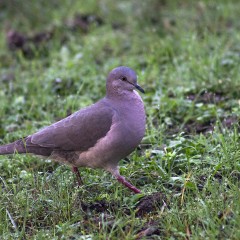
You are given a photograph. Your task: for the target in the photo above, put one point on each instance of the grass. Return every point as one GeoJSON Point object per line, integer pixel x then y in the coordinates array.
{"type": "Point", "coordinates": [187, 56]}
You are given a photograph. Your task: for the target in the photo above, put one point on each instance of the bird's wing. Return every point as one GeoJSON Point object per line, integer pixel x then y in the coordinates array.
{"type": "Point", "coordinates": [78, 132]}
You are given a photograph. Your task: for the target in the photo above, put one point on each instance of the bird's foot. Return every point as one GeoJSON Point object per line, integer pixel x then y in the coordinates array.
{"type": "Point", "coordinates": [79, 179]}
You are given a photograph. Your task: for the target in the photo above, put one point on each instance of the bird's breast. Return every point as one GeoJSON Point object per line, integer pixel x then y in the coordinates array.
{"type": "Point", "coordinates": [133, 117]}
{"type": "Point", "coordinates": [126, 132]}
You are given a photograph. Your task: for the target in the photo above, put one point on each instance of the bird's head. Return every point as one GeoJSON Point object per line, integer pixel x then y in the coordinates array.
{"type": "Point", "coordinates": [120, 80]}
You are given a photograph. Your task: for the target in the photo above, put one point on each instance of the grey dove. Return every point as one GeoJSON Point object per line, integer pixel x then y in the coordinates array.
{"type": "Point", "coordinates": [97, 136]}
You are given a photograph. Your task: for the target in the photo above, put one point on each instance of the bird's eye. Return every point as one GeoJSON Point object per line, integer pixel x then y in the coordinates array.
{"type": "Point", "coordinates": [123, 78]}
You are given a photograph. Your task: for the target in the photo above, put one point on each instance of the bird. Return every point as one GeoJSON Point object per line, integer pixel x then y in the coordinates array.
{"type": "Point", "coordinates": [97, 136]}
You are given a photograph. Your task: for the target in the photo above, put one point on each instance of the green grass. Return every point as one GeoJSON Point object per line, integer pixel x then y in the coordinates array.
{"type": "Point", "coordinates": [187, 56]}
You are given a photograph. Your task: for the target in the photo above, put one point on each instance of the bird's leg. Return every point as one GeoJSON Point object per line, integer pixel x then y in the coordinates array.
{"type": "Point", "coordinates": [122, 180]}
{"type": "Point", "coordinates": [79, 179]}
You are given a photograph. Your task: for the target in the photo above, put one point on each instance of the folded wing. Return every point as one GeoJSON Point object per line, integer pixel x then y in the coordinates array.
{"type": "Point", "coordinates": [78, 132]}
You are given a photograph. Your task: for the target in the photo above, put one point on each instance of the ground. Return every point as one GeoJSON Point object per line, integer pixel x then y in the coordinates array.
{"type": "Point", "coordinates": [54, 58]}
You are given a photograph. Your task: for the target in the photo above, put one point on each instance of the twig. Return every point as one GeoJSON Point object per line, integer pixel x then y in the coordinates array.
{"type": "Point", "coordinates": [11, 219]}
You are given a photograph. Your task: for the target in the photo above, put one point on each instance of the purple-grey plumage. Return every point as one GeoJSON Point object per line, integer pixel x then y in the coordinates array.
{"type": "Point", "coordinates": [98, 136]}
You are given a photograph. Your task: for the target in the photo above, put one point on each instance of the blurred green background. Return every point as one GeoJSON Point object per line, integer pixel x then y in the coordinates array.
{"type": "Point", "coordinates": [54, 59]}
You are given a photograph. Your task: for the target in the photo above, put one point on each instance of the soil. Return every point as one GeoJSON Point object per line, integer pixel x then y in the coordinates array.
{"type": "Point", "coordinates": [83, 21]}
{"type": "Point", "coordinates": [151, 203]}
{"type": "Point", "coordinates": [207, 97]}
{"type": "Point", "coordinates": [151, 228]}
{"type": "Point", "coordinates": [19, 41]}
{"type": "Point", "coordinates": [199, 127]}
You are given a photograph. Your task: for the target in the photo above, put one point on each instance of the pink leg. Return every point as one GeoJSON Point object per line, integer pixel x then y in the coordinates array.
{"type": "Point", "coordinates": [79, 179]}
{"type": "Point", "coordinates": [122, 180]}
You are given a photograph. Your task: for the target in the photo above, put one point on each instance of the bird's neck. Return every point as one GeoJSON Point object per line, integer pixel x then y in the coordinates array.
{"type": "Point", "coordinates": [130, 100]}
{"type": "Point", "coordinates": [122, 94]}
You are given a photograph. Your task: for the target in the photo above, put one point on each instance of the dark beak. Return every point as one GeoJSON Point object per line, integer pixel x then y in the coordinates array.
{"type": "Point", "coordinates": [139, 88]}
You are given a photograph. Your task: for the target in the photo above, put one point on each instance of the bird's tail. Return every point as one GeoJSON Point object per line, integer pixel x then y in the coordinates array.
{"type": "Point", "coordinates": [15, 147]}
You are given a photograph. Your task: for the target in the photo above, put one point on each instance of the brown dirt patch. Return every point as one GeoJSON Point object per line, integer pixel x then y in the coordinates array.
{"type": "Point", "coordinates": [151, 203]}
{"type": "Point", "coordinates": [207, 97]}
